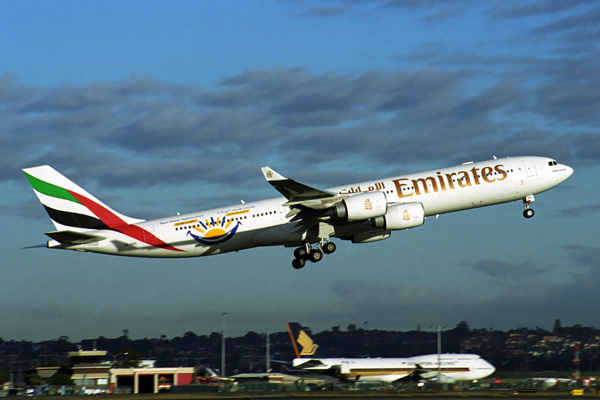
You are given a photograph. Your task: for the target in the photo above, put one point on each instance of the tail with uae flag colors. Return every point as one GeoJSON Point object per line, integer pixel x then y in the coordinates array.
{"type": "Point", "coordinates": [74, 212]}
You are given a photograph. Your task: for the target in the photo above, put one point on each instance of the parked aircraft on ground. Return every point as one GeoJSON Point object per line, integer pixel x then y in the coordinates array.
{"type": "Point", "coordinates": [305, 218]}
{"type": "Point", "coordinates": [445, 368]}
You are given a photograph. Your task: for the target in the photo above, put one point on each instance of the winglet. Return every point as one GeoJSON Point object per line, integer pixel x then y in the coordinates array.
{"type": "Point", "coordinates": [272, 175]}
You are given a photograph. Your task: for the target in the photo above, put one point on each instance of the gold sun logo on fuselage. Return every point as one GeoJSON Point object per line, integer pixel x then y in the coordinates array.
{"type": "Point", "coordinates": [213, 232]}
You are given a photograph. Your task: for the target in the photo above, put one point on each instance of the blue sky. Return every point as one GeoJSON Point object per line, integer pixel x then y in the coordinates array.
{"type": "Point", "coordinates": [161, 107]}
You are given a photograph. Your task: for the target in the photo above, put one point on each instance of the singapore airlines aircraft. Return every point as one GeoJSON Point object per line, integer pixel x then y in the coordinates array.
{"type": "Point", "coordinates": [305, 217]}
{"type": "Point", "coordinates": [311, 356]}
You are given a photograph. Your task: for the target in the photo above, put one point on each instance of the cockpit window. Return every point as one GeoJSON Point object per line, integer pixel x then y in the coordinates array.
{"type": "Point", "coordinates": [551, 163]}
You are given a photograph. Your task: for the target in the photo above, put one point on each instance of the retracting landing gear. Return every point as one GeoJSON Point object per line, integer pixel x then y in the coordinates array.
{"type": "Point", "coordinates": [528, 212]}
{"type": "Point", "coordinates": [307, 253]}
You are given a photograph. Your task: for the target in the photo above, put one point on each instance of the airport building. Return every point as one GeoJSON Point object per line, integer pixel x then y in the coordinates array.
{"type": "Point", "coordinates": [93, 375]}
{"type": "Point", "coordinates": [149, 380]}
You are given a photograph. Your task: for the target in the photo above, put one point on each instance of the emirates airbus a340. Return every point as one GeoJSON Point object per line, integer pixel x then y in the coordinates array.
{"type": "Point", "coordinates": [305, 217]}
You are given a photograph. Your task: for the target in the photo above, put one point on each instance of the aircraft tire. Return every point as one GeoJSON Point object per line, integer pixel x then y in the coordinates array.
{"type": "Point", "coordinates": [329, 247]}
{"type": "Point", "coordinates": [315, 255]}
{"type": "Point", "coordinates": [528, 213]}
{"type": "Point", "coordinates": [300, 252]}
{"type": "Point", "coordinates": [298, 263]}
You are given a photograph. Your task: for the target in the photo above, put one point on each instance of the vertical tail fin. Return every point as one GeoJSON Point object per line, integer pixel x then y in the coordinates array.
{"type": "Point", "coordinates": [69, 206]}
{"type": "Point", "coordinates": [309, 347]}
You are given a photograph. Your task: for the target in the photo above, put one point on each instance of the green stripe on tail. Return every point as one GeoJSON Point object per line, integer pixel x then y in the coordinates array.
{"type": "Point", "coordinates": [50, 190]}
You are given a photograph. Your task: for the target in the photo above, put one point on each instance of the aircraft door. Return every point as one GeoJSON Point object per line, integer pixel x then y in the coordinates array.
{"type": "Point", "coordinates": [530, 168]}
{"type": "Point", "coordinates": [149, 236]}
{"type": "Point", "coordinates": [282, 211]}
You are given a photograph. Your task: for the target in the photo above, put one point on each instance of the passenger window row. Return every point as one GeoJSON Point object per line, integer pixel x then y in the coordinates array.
{"type": "Point", "coordinates": [264, 214]}
{"type": "Point", "coordinates": [182, 228]}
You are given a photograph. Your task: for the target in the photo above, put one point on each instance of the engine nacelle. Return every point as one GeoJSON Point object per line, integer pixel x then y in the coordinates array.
{"type": "Point", "coordinates": [341, 369]}
{"type": "Point", "coordinates": [361, 206]}
{"type": "Point", "coordinates": [401, 216]}
{"type": "Point", "coordinates": [371, 236]}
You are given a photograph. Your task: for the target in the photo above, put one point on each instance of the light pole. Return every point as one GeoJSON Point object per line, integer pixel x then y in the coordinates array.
{"type": "Point", "coordinates": [439, 346]}
{"type": "Point", "coordinates": [223, 314]}
{"type": "Point", "coordinates": [268, 362]}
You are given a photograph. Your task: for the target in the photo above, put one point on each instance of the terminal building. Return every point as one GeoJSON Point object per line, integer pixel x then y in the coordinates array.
{"type": "Point", "coordinates": [95, 376]}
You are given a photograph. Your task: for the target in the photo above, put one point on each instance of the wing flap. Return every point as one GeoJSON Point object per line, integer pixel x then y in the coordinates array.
{"type": "Point", "coordinates": [74, 237]}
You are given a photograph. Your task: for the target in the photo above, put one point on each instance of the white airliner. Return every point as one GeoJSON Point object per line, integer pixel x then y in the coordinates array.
{"type": "Point", "coordinates": [306, 217]}
{"type": "Point", "coordinates": [444, 368]}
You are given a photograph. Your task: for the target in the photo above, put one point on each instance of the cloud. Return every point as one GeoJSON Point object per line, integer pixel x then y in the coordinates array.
{"type": "Point", "coordinates": [508, 269]}
{"type": "Point", "coordinates": [117, 131]}
{"type": "Point", "coordinates": [324, 12]}
{"type": "Point", "coordinates": [584, 20]}
{"type": "Point", "coordinates": [536, 8]}
{"type": "Point", "coordinates": [587, 256]}
{"type": "Point", "coordinates": [580, 210]}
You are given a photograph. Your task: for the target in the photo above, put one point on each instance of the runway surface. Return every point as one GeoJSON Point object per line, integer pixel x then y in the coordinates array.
{"type": "Point", "coordinates": [542, 395]}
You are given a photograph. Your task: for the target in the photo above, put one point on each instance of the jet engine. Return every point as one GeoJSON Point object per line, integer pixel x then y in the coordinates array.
{"type": "Point", "coordinates": [361, 206]}
{"type": "Point", "coordinates": [401, 216]}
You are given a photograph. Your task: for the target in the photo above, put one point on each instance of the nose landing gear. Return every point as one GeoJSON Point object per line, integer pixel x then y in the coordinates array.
{"type": "Point", "coordinates": [307, 253]}
{"type": "Point", "coordinates": [528, 212]}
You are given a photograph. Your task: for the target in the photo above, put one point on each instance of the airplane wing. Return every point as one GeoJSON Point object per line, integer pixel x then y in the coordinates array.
{"type": "Point", "coordinates": [74, 237]}
{"type": "Point", "coordinates": [299, 194]}
{"type": "Point", "coordinates": [416, 375]}
{"type": "Point", "coordinates": [421, 374]}
{"type": "Point", "coordinates": [309, 363]}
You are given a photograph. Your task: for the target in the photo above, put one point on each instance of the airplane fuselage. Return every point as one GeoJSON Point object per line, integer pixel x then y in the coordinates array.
{"type": "Point", "coordinates": [452, 367]}
{"type": "Point", "coordinates": [271, 222]}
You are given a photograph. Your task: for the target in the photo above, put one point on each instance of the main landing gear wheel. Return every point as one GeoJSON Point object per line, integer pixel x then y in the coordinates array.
{"type": "Point", "coordinates": [306, 253]}
{"type": "Point", "coordinates": [298, 263]}
{"type": "Point", "coordinates": [528, 213]}
{"type": "Point", "coordinates": [300, 252]}
{"type": "Point", "coordinates": [315, 255]}
{"type": "Point", "coordinates": [329, 247]}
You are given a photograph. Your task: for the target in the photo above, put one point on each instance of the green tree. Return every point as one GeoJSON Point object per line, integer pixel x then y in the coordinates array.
{"type": "Point", "coordinates": [127, 358]}
{"type": "Point", "coordinates": [557, 326]}
{"type": "Point", "coordinates": [34, 380]}
{"type": "Point", "coordinates": [3, 375]}
{"type": "Point", "coordinates": [60, 379]}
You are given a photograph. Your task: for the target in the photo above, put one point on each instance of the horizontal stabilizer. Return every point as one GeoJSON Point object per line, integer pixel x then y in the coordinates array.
{"type": "Point", "coordinates": [73, 237]}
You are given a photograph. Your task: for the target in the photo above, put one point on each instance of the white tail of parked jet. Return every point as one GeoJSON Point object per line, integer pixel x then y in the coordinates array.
{"type": "Point", "coordinates": [305, 217]}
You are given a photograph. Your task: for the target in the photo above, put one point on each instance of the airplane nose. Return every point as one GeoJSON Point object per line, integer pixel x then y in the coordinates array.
{"type": "Point", "coordinates": [485, 368]}
{"type": "Point", "coordinates": [568, 171]}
